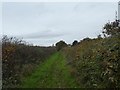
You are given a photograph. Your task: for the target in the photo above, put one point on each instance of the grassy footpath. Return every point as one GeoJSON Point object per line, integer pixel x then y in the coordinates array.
{"type": "Point", "coordinates": [51, 74]}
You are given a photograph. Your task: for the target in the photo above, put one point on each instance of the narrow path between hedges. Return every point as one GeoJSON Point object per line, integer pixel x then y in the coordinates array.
{"type": "Point", "coordinates": [53, 73]}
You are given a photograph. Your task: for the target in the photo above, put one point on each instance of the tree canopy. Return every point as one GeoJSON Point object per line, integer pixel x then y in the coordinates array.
{"type": "Point", "coordinates": [61, 44]}
{"type": "Point", "coordinates": [111, 28]}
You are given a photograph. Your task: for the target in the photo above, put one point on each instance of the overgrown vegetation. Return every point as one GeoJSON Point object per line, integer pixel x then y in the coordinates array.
{"type": "Point", "coordinates": [96, 62]}
{"type": "Point", "coordinates": [20, 59]}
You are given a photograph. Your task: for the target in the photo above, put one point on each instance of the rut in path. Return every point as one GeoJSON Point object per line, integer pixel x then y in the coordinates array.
{"type": "Point", "coordinates": [53, 73]}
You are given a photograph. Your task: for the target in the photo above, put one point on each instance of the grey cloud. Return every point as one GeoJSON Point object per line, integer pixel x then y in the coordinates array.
{"type": "Point", "coordinates": [46, 23]}
{"type": "Point", "coordinates": [47, 34]}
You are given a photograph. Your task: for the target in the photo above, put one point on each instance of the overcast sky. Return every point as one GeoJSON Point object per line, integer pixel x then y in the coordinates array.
{"type": "Point", "coordinates": [45, 23]}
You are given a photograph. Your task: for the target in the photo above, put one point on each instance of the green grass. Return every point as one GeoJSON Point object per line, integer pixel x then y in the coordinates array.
{"type": "Point", "coordinates": [53, 73]}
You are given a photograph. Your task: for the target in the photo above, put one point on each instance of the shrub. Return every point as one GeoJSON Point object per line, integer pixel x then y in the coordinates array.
{"type": "Point", "coordinates": [19, 59]}
{"type": "Point", "coordinates": [96, 61]}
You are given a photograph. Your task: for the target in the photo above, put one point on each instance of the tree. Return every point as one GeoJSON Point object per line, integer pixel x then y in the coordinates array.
{"type": "Point", "coordinates": [99, 36]}
{"type": "Point", "coordinates": [61, 44]}
{"type": "Point", "coordinates": [75, 43]}
{"type": "Point", "coordinates": [111, 29]}
{"type": "Point", "coordinates": [86, 39]}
